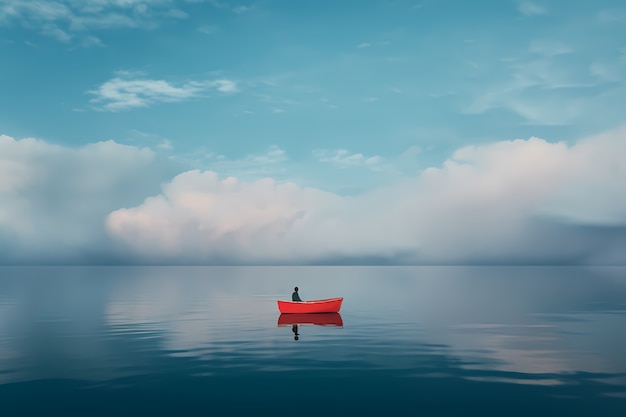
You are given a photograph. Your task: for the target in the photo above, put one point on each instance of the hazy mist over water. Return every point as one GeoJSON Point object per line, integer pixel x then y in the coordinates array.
{"type": "Point", "coordinates": [414, 340]}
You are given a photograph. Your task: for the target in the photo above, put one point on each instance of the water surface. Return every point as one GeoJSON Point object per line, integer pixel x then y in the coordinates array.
{"type": "Point", "coordinates": [410, 341]}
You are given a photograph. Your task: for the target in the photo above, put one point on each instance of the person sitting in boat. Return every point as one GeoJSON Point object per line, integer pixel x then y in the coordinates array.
{"type": "Point", "coordinates": [295, 296]}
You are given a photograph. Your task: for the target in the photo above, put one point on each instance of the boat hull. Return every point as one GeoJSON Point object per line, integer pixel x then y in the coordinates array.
{"type": "Point", "coordinates": [316, 319]}
{"type": "Point", "coordinates": [329, 305]}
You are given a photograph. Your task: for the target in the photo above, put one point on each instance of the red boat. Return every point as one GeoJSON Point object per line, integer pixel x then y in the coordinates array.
{"type": "Point", "coordinates": [329, 305]}
{"type": "Point", "coordinates": [317, 319]}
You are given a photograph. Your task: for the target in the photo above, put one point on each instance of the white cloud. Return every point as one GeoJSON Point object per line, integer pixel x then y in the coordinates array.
{"type": "Point", "coordinates": [343, 158]}
{"type": "Point", "coordinates": [495, 202]}
{"type": "Point", "coordinates": [150, 140]}
{"type": "Point", "coordinates": [541, 91]}
{"type": "Point", "coordinates": [199, 216]}
{"type": "Point", "coordinates": [54, 199]}
{"type": "Point", "coordinates": [127, 91]}
{"type": "Point", "coordinates": [91, 41]}
{"type": "Point", "coordinates": [593, 193]}
{"type": "Point", "coordinates": [608, 71]}
{"type": "Point", "coordinates": [35, 11]}
{"type": "Point", "coordinates": [208, 29]}
{"type": "Point", "coordinates": [528, 8]}
{"type": "Point", "coordinates": [250, 167]}
{"type": "Point", "coordinates": [550, 48]}
{"type": "Point", "coordinates": [371, 44]}
{"type": "Point", "coordinates": [510, 201]}
{"type": "Point", "coordinates": [225, 86]}
{"type": "Point", "coordinates": [66, 20]}
{"type": "Point", "coordinates": [54, 32]}
{"type": "Point", "coordinates": [273, 155]}
{"type": "Point", "coordinates": [257, 165]}
{"type": "Point", "coordinates": [225, 6]}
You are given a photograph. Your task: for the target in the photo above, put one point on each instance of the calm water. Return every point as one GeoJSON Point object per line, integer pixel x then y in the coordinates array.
{"type": "Point", "coordinates": [496, 341]}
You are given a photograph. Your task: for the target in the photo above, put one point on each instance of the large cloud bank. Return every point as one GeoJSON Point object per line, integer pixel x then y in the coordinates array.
{"type": "Point", "coordinates": [53, 200]}
{"type": "Point", "coordinates": [521, 201]}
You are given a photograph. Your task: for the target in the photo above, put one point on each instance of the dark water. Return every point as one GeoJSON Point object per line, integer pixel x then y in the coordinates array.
{"type": "Point", "coordinates": [501, 341]}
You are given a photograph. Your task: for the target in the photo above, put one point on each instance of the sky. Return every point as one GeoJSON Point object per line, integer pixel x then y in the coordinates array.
{"type": "Point", "coordinates": [327, 132]}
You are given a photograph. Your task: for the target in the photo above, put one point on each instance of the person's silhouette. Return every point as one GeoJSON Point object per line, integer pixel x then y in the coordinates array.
{"type": "Point", "coordinates": [295, 296]}
{"type": "Point", "coordinates": [294, 329]}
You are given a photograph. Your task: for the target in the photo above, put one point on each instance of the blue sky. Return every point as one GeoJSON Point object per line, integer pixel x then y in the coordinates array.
{"type": "Point", "coordinates": [348, 100]}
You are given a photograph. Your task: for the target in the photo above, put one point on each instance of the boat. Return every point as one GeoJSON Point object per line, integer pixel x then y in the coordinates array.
{"type": "Point", "coordinates": [316, 319]}
{"type": "Point", "coordinates": [329, 305]}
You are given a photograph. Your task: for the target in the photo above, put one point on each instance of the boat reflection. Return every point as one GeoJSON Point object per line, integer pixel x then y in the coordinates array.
{"type": "Point", "coordinates": [316, 319]}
